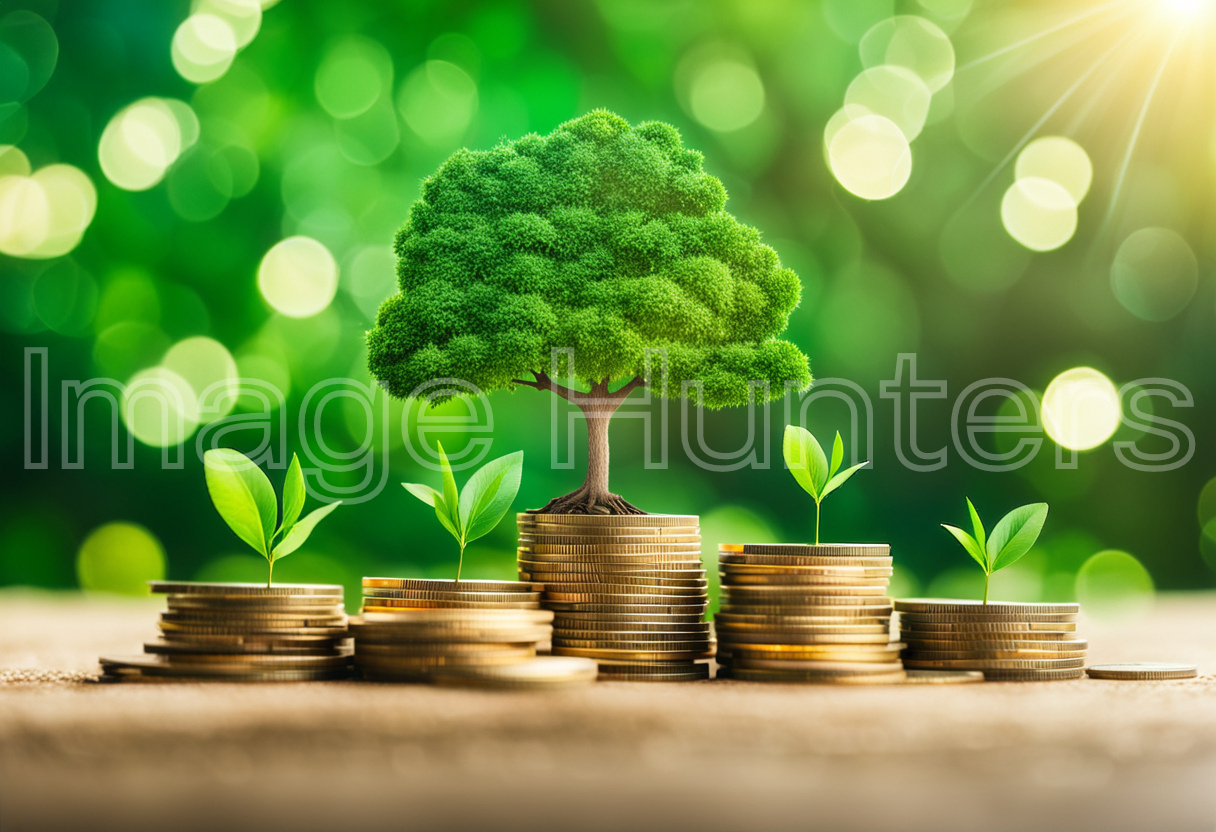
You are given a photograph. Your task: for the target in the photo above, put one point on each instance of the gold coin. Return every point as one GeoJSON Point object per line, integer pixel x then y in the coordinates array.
{"type": "Point", "coordinates": [649, 520]}
{"type": "Point", "coordinates": [555, 591]}
{"type": "Point", "coordinates": [844, 568]}
{"type": "Point", "coordinates": [529, 540]}
{"type": "Point", "coordinates": [845, 615]}
{"type": "Point", "coordinates": [255, 661]}
{"type": "Point", "coordinates": [445, 585]}
{"type": "Point", "coordinates": [1033, 675]}
{"type": "Point", "coordinates": [454, 595]}
{"type": "Point", "coordinates": [229, 589]}
{"type": "Point", "coordinates": [780, 563]}
{"type": "Point", "coordinates": [170, 648]}
{"type": "Point", "coordinates": [659, 636]}
{"type": "Point", "coordinates": [682, 585]}
{"type": "Point", "coordinates": [252, 619]}
{"type": "Point", "coordinates": [944, 677]}
{"type": "Point", "coordinates": [738, 656]}
{"type": "Point", "coordinates": [869, 636]}
{"type": "Point", "coordinates": [655, 560]}
{"type": "Point", "coordinates": [767, 594]}
{"type": "Point", "coordinates": [1015, 629]}
{"type": "Point", "coordinates": [541, 672]}
{"type": "Point", "coordinates": [996, 664]}
{"type": "Point", "coordinates": [986, 644]}
{"type": "Point", "coordinates": [810, 579]}
{"type": "Point", "coordinates": [636, 608]}
{"type": "Point", "coordinates": [587, 619]}
{"type": "Point", "coordinates": [259, 639]}
{"type": "Point", "coordinates": [928, 618]}
{"type": "Point", "coordinates": [815, 677]}
{"type": "Point", "coordinates": [676, 676]}
{"type": "Point", "coordinates": [851, 626]}
{"type": "Point", "coordinates": [912, 654]}
{"type": "Point", "coordinates": [1143, 671]}
{"type": "Point", "coordinates": [606, 595]}
{"type": "Point", "coordinates": [685, 549]}
{"type": "Point", "coordinates": [431, 648]}
{"type": "Point", "coordinates": [962, 607]}
{"type": "Point", "coordinates": [765, 606]}
{"type": "Point", "coordinates": [436, 617]}
{"type": "Point", "coordinates": [383, 661]}
{"type": "Point", "coordinates": [702, 646]}
{"type": "Point", "coordinates": [247, 630]}
{"type": "Point", "coordinates": [637, 655]}
{"type": "Point", "coordinates": [815, 550]}
{"type": "Point", "coordinates": [255, 602]}
{"type": "Point", "coordinates": [159, 666]}
{"type": "Point", "coordinates": [453, 636]}
{"type": "Point", "coordinates": [799, 664]}
{"type": "Point", "coordinates": [635, 570]}
{"type": "Point", "coordinates": [391, 605]}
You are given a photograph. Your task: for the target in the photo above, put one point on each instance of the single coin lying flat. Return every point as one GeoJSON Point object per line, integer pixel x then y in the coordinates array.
{"type": "Point", "coordinates": [1141, 671]}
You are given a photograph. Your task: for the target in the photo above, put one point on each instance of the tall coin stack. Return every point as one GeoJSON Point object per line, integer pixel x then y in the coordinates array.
{"type": "Point", "coordinates": [628, 591]}
{"type": "Point", "coordinates": [1012, 642]}
{"type": "Point", "coordinates": [419, 630]}
{"type": "Point", "coordinates": [806, 613]}
{"type": "Point", "coordinates": [243, 632]}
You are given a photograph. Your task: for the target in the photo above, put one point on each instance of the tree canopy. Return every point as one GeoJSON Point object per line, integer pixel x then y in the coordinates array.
{"type": "Point", "coordinates": [601, 238]}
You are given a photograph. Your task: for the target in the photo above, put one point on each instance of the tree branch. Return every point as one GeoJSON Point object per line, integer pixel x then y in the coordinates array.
{"type": "Point", "coordinates": [626, 389]}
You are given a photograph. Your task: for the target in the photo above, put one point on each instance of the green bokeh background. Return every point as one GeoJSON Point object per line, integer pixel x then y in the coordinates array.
{"type": "Point", "coordinates": [929, 271]}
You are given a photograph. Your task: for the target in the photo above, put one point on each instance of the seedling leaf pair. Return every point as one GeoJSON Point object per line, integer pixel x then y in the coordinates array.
{"type": "Point", "coordinates": [808, 463]}
{"type": "Point", "coordinates": [486, 497]}
{"type": "Point", "coordinates": [244, 497]}
{"type": "Point", "coordinates": [1012, 538]}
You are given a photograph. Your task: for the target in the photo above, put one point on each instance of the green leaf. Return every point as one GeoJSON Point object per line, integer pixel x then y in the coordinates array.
{"type": "Point", "coordinates": [425, 493]}
{"type": "Point", "coordinates": [1015, 534]}
{"type": "Point", "coordinates": [488, 494]}
{"type": "Point", "coordinates": [294, 495]}
{"type": "Point", "coordinates": [977, 526]}
{"type": "Point", "coordinates": [837, 456]}
{"type": "Point", "coordinates": [451, 497]}
{"type": "Point", "coordinates": [243, 496]}
{"type": "Point", "coordinates": [969, 543]}
{"type": "Point", "coordinates": [840, 479]}
{"type": "Point", "coordinates": [301, 530]}
{"type": "Point", "coordinates": [805, 459]}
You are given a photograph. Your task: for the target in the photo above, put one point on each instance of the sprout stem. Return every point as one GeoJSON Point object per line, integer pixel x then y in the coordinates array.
{"type": "Point", "coordinates": [270, 572]}
{"type": "Point", "coordinates": [987, 578]}
{"type": "Point", "coordinates": [816, 522]}
{"type": "Point", "coordinates": [460, 563]}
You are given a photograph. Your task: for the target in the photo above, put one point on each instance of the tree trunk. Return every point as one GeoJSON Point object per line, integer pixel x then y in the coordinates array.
{"type": "Point", "coordinates": [593, 496]}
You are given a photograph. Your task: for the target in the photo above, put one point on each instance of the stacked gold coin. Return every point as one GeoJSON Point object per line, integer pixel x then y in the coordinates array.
{"type": "Point", "coordinates": [1007, 641]}
{"type": "Point", "coordinates": [416, 630]}
{"type": "Point", "coordinates": [243, 632]}
{"type": "Point", "coordinates": [806, 613]}
{"type": "Point", "coordinates": [628, 591]}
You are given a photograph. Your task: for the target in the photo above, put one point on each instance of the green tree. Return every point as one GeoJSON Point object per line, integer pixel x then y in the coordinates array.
{"type": "Point", "coordinates": [602, 239]}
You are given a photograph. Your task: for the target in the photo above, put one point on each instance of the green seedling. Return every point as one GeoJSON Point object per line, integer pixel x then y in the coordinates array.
{"type": "Point", "coordinates": [474, 512]}
{"type": "Point", "coordinates": [805, 458]}
{"type": "Point", "coordinates": [245, 499]}
{"type": "Point", "coordinates": [1013, 537]}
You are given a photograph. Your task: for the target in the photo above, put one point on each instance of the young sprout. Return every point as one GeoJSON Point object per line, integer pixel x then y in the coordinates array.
{"type": "Point", "coordinates": [245, 499]}
{"type": "Point", "coordinates": [1013, 537]}
{"type": "Point", "coordinates": [486, 497]}
{"type": "Point", "coordinates": [805, 458]}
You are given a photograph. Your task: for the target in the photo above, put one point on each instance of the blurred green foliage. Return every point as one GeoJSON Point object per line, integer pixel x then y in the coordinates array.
{"type": "Point", "coordinates": [325, 125]}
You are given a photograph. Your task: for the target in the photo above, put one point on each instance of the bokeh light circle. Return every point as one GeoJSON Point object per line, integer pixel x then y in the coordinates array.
{"type": "Point", "coordinates": [203, 48]}
{"type": "Point", "coordinates": [1059, 160]}
{"type": "Point", "coordinates": [160, 408]}
{"type": "Point", "coordinates": [870, 157]}
{"type": "Point", "coordinates": [726, 95]}
{"type": "Point", "coordinates": [914, 43]}
{"type": "Point", "coordinates": [894, 92]}
{"type": "Point", "coordinates": [121, 558]}
{"type": "Point", "coordinates": [209, 369]}
{"type": "Point", "coordinates": [244, 17]}
{"type": "Point", "coordinates": [1154, 274]}
{"type": "Point", "coordinates": [1207, 503]}
{"type": "Point", "coordinates": [353, 75]}
{"type": "Point", "coordinates": [1114, 586]}
{"type": "Point", "coordinates": [71, 203]}
{"type": "Point", "coordinates": [140, 142]}
{"type": "Point", "coordinates": [438, 101]}
{"type": "Point", "coordinates": [298, 277]}
{"type": "Point", "coordinates": [25, 215]}
{"type": "Point", "coordinates": [1039, 214]}
{"type": "Point", "coordinates": [1081, 409]}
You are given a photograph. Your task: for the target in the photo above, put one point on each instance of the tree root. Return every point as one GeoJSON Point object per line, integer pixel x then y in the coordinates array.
{"type": "Point", "coordinates": [584, 501]}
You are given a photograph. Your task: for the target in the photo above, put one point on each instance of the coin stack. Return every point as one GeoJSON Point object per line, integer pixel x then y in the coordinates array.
{"type": "Point", "coordinates": [243, 632]}
{"type": "Point", "coordinates": [471, 632]}
{"type": "Point", "coordinates": [1007, 641]}
{"type": "Point", "coordinates": [628, 591]}
{"type": "Point", "coordinates": [806, 613]}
